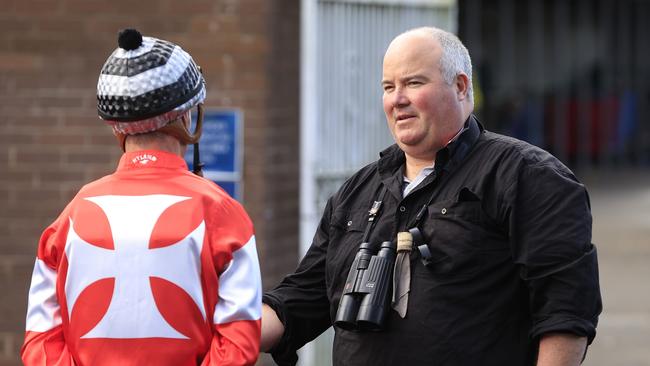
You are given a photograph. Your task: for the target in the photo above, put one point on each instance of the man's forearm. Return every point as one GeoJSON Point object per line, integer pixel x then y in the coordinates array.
{"type": "Point", "coordinates": [272, 328]}
{"type": "Point", "coordinates": [561, 349]}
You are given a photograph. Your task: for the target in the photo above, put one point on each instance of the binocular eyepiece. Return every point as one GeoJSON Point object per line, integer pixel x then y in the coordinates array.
{"type": "Point", "coordinates": [366, 295]}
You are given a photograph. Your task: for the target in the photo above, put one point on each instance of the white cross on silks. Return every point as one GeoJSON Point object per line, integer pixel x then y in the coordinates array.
{"type": "Point", "coordinates": [132, 312]}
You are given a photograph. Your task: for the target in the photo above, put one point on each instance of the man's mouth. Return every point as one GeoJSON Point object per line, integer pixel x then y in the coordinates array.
{"type": "Point", "coordinates": [402, 117]}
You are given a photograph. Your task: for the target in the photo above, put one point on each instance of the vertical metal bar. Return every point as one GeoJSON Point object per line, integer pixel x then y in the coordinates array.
{"type": "Point", "coordinates": [535, 89]}
{"type": "Point", "coordinates": [309, 115]}
{"type": "Point", "coordinates": [623, 66]}
{"type": "Point", "coordinates": [607, 55]}
{"type": "Point", "coordinates": [584, 49]}
{"type": "Point", "coordinates": [643, 69]}
{"type": "Point", "coordinates": [506, 52]}
{"type": "Point", "coordinates": [561, 52]}
{"type": "Point", "coordinates": [308, 119]}
{"type": "Point", "coordinates": [636, 77]}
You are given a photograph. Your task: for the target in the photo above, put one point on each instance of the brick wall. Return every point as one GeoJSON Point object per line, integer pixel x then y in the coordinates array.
{"type": "Point", "coordinates": [51, 141]}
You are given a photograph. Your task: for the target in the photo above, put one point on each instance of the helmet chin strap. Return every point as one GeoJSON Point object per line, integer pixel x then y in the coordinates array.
{"type": "Point", "coordinates": [197, 165]}
{"type": "Point", "coordinates": [121, 138]}
{"type": "Point", "coordinates": [178, 129]}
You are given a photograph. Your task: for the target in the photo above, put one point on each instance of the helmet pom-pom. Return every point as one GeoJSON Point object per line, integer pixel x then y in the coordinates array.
{"type": "Point", "coordinates": [129, 39]}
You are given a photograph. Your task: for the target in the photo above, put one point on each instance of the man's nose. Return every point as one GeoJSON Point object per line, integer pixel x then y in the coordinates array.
{"type": "Point", "coordinates": [400, 98]}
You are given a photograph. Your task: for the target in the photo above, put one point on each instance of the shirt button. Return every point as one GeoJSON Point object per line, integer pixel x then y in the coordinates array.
{"type": "Point", "coordinates": [349, 223]}
{"type": "Point", "coordinates": [443, 211]}
{"type": "Point", "coordinates": [402, 208]}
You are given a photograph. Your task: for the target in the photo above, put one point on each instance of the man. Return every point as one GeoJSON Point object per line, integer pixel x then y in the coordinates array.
{"type": "Point", "coordinates": [151, 265]}
{"type": "Point", "coordinates": [505, 273]}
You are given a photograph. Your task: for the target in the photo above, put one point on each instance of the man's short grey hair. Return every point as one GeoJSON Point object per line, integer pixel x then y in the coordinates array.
{"type": "Point", "coordinates": [455, 57]}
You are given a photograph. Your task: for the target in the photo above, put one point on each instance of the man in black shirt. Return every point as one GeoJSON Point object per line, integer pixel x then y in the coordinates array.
{"type": "Point", "coordinates": [508, 275]}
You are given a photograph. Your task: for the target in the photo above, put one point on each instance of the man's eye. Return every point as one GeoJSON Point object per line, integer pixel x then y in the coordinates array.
{"type": "Point", "coordinates": [414, 83]}
{"type": "Point", "coordinates": [388, 88]}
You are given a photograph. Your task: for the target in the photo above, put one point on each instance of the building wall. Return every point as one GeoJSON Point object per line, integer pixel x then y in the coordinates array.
{"type": "Point", "coordinates": [51, 141]}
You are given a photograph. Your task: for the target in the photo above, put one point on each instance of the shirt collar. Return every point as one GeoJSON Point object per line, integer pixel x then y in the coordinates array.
{"type": "Point", "coordinates": [408, 186]}
{"type": "Point", "coordinates": [146, 159]}
{"type": "Point", "coordinates": [460, 132]}
{"type": "Point", "coordinates": [454, 153]}
{"type": "Point", "coordinates": [392, 158]}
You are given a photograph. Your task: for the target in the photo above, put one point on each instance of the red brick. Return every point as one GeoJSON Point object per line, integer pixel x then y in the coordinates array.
{"type": "Point", "coordinates": [46, 208]}
{"type": "Point", "coordinates": [12, 176]}
{"type": "Point", "coordinates": [36, 154]}
{"type": "Point", "coordinates": [12, 23]}
{"type": "Point", "coordinates": [52, 45]}
{"type": "Point", "coordinates": [59, 102]}
{"type": "Point", "coordinates": [55, 80]}
{"type": "Point", "coordinates": [69, 66]}
{"type": "Point", "coordinates": [61, 139]}
{"type": "Point", "coordinates": [15, 279]}
{"type": "Point", "coordinates": [90, 123]}
{"type": "Point", "coordinates": [9, 104]}
{"type": "Point", "coordinates": [60, 27]}
{"type": "Point", "coordinates": [37, 7]}
{"type": "Point", "coordinates": [21, 227]}
{"type": "Point", "coordinates": [214, 24]}
{"type": "Point", "coordinates": [87, 156]}
{"type": "Point", "coordinates": [120, 8]}
{"type": "Point", "coordinates": [107, 28]}
{"type": "Point", "coordinates": [34, 126]}
{"type": "Point", "coordinates": [68, 193]}
{"type": "Point", "coordinates": [254, 9]}
{"type": "Point", "coordinates": [103, 140]}
{"type": "Point", "coordinates": [95, 173]}
{"type": "Point", "coordinates": [10, 346]}
{"type": "Point", "coordinates": [11, 245]}
{"type": "Point", "coordinates": [27, 194]}
{"type": "Point", "coordinates": [51, 176]}
{"type": "Point", "coordinates": [8, 138]}
{"type": "Point", "coordinates": [193, 7]}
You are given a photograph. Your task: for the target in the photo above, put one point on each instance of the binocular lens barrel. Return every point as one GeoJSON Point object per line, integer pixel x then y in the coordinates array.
{"type": "Point", "coordinates": [346, 315]}
{"type": "Point", "coordinates": [364, 301]}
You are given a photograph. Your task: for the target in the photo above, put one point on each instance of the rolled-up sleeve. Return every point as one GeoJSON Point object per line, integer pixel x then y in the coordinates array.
{"type": "Point", "coordinates": [550, 231]}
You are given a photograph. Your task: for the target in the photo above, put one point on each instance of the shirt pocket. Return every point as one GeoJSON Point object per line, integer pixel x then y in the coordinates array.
{"type": "Point", "coordinates": [461, 236]}
{"type": "Point", "coordinates": [345, 235]}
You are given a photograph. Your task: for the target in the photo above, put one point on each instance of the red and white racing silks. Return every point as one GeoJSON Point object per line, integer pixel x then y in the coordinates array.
{"type": "Point", "coordinates": [151, 265]}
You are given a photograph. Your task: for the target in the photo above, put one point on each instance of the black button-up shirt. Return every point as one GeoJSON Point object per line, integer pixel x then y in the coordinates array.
{"type": "Point", "coordinates": [509, 231]}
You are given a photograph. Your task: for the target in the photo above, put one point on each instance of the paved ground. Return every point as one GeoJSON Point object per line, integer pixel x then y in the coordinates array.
{"type": "Point", "coordinates": [621, 231]}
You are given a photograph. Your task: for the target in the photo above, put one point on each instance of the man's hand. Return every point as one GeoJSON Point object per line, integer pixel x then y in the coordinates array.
{"type": "Point", "coordinates": [560, 349]}
{"type": "Point", "coordinates": [272, 328]}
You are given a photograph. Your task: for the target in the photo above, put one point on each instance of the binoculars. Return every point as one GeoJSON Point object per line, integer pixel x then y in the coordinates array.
{"type": "Point", "coordinates": [366, 295]}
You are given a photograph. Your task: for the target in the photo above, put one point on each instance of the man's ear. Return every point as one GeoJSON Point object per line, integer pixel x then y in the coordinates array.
{"type": "Point", "coordinates": [462, 86]}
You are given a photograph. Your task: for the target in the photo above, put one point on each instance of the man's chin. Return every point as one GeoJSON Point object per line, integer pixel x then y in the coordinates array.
{"type": "Point", "coordinates": [408, 147]}
{"type": "Point", "coordinates": [406, 142]}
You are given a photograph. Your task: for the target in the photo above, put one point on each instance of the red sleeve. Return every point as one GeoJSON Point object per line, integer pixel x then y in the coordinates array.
{"type": "Point", "coordinates": [44, 341]}
{"type": "Point", "coordinates": [46, 349]}
{"type": "Point", "coordinates": [235, 343]}
{"type": "Point", "coordinates": [237, 314]}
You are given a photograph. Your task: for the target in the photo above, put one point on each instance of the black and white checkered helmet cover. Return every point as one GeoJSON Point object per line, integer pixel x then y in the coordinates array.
{"type": "Point", "coordinates": [145, 88]}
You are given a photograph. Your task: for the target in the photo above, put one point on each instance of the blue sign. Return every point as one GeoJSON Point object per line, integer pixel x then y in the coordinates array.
{"type": "Point", "coordinates": [221, 149]}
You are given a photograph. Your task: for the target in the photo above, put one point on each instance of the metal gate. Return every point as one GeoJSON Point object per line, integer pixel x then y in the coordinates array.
{"type": "Point", "coordinates": [571, 76]}
{"type": "Point", "coordinates": [343, 126]}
